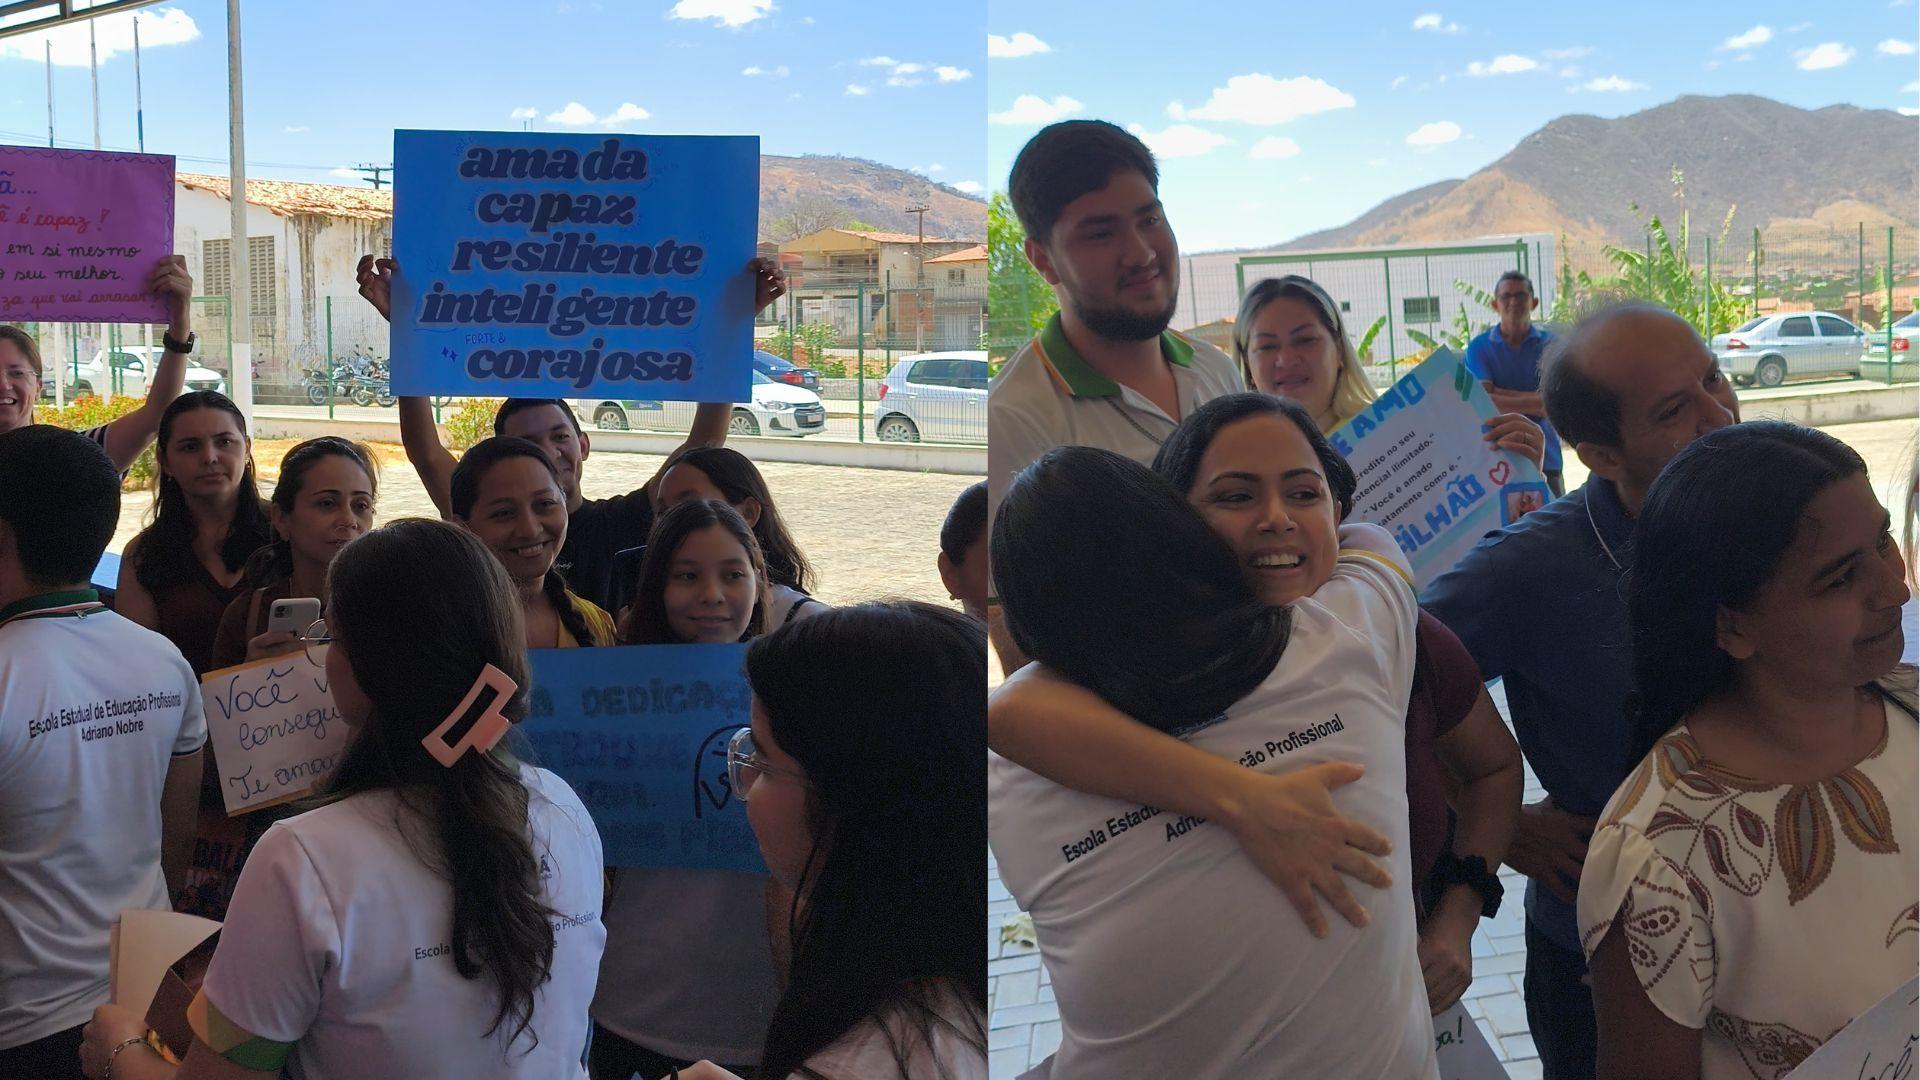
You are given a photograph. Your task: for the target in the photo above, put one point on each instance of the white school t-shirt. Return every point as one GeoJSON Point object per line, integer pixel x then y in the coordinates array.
{"type": "Point", "coordinates": [337, 941]}
{"type": "Point", "coordinates": [1171, 954]}
{"type": "Point", "coordinates": [80, 803]}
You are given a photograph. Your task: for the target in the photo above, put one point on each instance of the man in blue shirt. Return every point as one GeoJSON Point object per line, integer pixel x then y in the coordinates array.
{"type": "Point", "coordinates": [1506, 360]}
{"type": "Point", "coordinates": [1542, 605]}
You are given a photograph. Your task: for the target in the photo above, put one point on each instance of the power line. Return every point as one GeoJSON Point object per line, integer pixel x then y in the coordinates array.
{"type": "Point", "coordinates": [71, 144]}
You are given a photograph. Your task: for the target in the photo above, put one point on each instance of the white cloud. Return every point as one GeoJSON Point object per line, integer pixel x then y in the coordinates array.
{"type": "Point", "coordinates": [1397, 80]}
{"type": "Point", "coordinates": [300, 130]}
{"type": "Point", "coordinates": [1830, 54]}
{"type": "Point", "coordinates": [971, 187]}
{"type": "Point", "coordinates": [1263, 99]}
{"type": "Point", "coordinates": [113, 35]}
{"type": "Point", "coordinates": [904, 80]}
{"type": "Point", "coordinates": [952, 74]}
{"type": "Point", "coordinates": [1611, 84]}
{"type": "Point", "coordinates": [1020, 44]}
{"type": "Point", "coordinates": [1711, 65]}
{"type": "Point", "coordinates": [1911, 88]}
{"type": "Point", "coordinates": [1432, 21]}
{"type": "Point", "coordinates": [1797, 27]}
{"type": "Point", "coordinates": [526, 112]}
{"type": "Point", "coordinates": [1894, 47]}
{"type": "Point", "coordinates": [1571, 71]}
{"type": "Point", "coordinates": [1273, 148]}
{"type": "Point", "coordinates": [337, 174]}
{"type": "Point", "coordinates": [755, 71]}
{"type": "Point", "coordinates": [1759, 35]}
{"type": "Point", "coordinates": [1908, 110]}
{"type": "Point", "coordinates": [934, 168]}
{"type": "Point", "coordinates": [626, 113]}
{"type": "Point", "coordinates": [1179, 140]}
{"type": "Point", "coordinates": [1033, 110]}
{"type": "Point", "coordinates": [1435, 134]}
{"type": "Point", "coordinates": [1574, 53]}
{"type": "Point", "coordinates": [1504, 64]}
{"type": "Point", "coordinates": [856, 90]}
{"type": "Point", "coordinates": [879, 61]}
{"type": "Point", "coordinates": [909, 69]}
{"type": "Point", "coordinates": [574, 115]}
{"type": "Point", "coordinates": [1377, 163]}
{"type": "Point", "coordinates": [731, 14]}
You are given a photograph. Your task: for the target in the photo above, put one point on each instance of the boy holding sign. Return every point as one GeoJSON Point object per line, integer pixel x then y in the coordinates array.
{"type": "Point", "coordinates": [100, 737]}
{"type": "Point", "coordinates": [597, 528]}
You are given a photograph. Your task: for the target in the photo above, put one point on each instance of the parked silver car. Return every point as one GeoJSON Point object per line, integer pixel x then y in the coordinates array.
{"type": "Point", "coordinates": [776, 409]}
{"type": "Point", "coordinates": [1769, 350]}
{"type": "Point", "coordinates": [935, 397]}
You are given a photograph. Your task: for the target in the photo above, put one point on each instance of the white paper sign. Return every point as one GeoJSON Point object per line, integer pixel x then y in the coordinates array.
{"type": "Point", "coordinates": [1878, 1045]}
{"type": "Point", "coordinates": [143, 945]}
{"type": "Point", "coordinates": [1425, 471]}
{"type": "Point", "coordinates": [1462, 1047]}
{"type": "Point", "coordinates": [273, 729]}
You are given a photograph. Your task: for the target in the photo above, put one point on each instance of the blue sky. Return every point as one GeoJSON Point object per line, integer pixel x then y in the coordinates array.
{"type": "Point", "coordinates": [327, 81]}
{"type": "Point", "coordinates": [1273, 121]}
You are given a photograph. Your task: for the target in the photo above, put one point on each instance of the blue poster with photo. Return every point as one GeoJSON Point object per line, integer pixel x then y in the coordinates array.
{"type": "Point", "coordinates": [574, 266]}
{"type": "Point", "coordinates": [640, 733]}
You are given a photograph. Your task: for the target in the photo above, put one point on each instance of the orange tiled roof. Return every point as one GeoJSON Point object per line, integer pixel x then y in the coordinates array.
{"type": "Point", "coordinates": [899, 237]}
{"type": "Point", "coordinates": [292, 197]}
{"type": "Point", "coordinates": [976, 253]}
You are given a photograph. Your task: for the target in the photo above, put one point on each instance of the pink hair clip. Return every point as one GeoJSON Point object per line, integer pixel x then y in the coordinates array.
{"type": "Point", "coordinates": [488, 728]}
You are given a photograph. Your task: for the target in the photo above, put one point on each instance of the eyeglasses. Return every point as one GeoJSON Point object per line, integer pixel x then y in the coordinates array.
{"type": "Point", "coordinates": [316, 633]}
{"type": "Point", "coordinates": [744, 764]}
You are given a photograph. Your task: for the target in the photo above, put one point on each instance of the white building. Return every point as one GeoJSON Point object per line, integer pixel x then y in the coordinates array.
{"type": "Point", "coordinates": [303, 242]}
{"type": "Point", "coordinates": [1413, 285]}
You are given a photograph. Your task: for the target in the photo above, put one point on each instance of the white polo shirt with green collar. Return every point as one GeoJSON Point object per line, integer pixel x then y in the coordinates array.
{"type": "Point", "coordinates": [1048, 396]}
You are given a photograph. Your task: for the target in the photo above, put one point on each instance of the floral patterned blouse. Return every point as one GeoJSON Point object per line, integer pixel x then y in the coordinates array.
{"type": "Point", "coordinates": [1769, 915]}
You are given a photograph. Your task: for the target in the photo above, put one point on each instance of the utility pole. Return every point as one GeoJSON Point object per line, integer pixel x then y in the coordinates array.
{"type": "Point", "coordinates": [240, 294]}
{"type": "Point", "coordinates": [93, 54]}
{"type": "Point", "coordinates": [376, 170]}
{"type": "Point", "coordinates": [920, 278]}
{"type": "Point", "coordinates": [139, 104]}
{"type": "Point", "coordinates": [49, 93]}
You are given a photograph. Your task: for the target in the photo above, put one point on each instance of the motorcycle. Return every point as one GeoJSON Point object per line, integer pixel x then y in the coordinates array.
{"type": "Point", "coordinates": [323, 385]}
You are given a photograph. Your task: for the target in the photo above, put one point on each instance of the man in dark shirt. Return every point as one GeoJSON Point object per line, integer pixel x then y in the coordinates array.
{"type": "Point", "coordinates": [597, 529]}
{"type": "Point", "coordinates": [1541, 604]}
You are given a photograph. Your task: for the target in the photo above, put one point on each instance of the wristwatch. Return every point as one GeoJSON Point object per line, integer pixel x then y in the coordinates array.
{"type": "Point", "coordinates": [174, 344]}
{"type": "Point", "coordinates": [1473, 873]}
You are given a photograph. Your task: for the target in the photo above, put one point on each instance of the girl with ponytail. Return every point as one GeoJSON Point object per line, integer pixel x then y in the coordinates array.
{"type": "Point", "coordinates": [438, 913]}
{"type": "Point", "coordinates": [506, 491]}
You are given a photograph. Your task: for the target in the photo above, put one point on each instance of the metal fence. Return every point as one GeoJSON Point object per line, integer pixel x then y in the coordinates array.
{"type": "Point", "coordinates": [1399, 302]}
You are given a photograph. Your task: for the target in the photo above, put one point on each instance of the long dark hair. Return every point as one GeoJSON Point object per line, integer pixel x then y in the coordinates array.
{"type": "Point", "coordinates": [1712, 532]}
{"type": "Point", "coordinates": [883, 920]}
{"type": "Point", "coordinates": [464, 491]}
{"type": "Point", "coordinates": [275, 561]}
{"type": "Point", "coordinates": [1179, 457]}
{"type": "Point", "coordinates": [739, 481]}
{"type": "Point", "coordinates": [646, 621]}
{"type": "Point", "coordinates": [1110, 578]}
{"type": "Point", "coordinates": [382, 589]}
{"type": "Point", "coordinates": [166, 545]}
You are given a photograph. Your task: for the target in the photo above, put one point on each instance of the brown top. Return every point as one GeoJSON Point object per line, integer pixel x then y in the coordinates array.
{"type": "Point", "coordinates": [245, 619]}
{"type": "Point", "coordinates": [190, 614]}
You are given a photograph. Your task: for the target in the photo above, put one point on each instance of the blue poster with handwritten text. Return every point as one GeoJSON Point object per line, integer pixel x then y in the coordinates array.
{"type": "Point", "coordinates": [640, 732]}
{"type": "Point", "coordinates": [1425, 472]}
{"type": "Point", "coordinates": [574, 266]}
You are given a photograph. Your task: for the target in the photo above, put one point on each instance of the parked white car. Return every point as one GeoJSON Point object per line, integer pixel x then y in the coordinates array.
{"type": "Point", "coordinates": [1769, 350]}
{"type": "Point", "coordinates": [130, 365]}
{"type": "Point", "coordinates": [776, 409]}
{"type": "Point", "coordinates": [934, 397]}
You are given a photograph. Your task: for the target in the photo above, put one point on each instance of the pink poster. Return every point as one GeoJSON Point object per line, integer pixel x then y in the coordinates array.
{"type": "Point", "coordinates": [80, 232]}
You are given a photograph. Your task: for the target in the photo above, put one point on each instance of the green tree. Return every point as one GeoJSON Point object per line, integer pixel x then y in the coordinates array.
{"type": "Point", "coordinates": [1663, 271]}
{"type": "Point", "coordinates": [1019, 300]}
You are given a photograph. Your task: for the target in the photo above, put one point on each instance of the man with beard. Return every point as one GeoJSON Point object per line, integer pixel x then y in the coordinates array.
{"type": "Point", "coordinates": [1105, 371]}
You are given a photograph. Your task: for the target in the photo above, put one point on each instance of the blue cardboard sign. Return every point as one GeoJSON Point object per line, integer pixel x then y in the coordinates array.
{"type": "Point", "coordinates": [573, 266]}
{"type": "Point", "coordinates": [640, 732]}
{"type": "Point", "coordinates": [1425, 471]}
